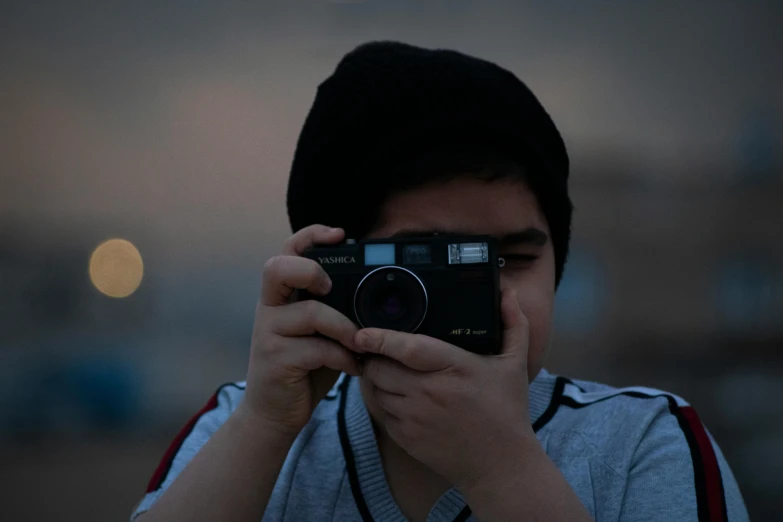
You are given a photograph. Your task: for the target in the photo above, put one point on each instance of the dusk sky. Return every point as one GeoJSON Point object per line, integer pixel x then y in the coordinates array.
{"type": "Point", "coordinates": [180, 118]}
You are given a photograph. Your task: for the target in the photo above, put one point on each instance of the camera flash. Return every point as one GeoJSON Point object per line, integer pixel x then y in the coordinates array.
{"type": "Point", "coordinates": [464, 253]}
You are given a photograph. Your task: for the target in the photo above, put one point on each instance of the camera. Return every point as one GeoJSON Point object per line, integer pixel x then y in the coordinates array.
{"type": "Point", "coordinates": [444, 286]}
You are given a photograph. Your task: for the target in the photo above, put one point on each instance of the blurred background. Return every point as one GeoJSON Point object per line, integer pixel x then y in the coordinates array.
{"type": "Point", "coordinates": [163, 133]}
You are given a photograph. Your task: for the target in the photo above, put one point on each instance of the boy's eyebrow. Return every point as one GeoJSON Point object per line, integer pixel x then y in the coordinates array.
{"type": "Point", "coordinates": [529, 235]}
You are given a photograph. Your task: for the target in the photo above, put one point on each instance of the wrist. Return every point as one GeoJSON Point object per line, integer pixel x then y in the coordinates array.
{"type": "Point", "coordinates": [526, 486]}
{"type": "Point", "coordinates": [257, 427]}
{"type": "Point", "coordinates": [509, 468]}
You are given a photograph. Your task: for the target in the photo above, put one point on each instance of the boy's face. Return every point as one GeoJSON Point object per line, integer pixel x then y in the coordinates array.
{"type": "Point", "coordinates": [504, 208]}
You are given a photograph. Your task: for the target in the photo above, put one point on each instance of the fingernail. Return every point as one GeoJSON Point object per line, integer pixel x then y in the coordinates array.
{"type": "Point", "coordinates": [326, 285]}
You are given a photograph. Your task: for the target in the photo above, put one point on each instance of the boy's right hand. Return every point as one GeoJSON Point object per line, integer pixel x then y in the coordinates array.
{"type": "Point", "coordinates": [298, 348]}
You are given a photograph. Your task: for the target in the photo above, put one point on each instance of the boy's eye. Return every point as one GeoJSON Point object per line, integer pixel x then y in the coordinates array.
{"type": "Point", "coordinates": [518, 259]}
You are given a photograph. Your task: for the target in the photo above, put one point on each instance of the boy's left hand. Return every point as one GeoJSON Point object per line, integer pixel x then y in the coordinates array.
{"type": "Point", "coordinates": [459, 413]}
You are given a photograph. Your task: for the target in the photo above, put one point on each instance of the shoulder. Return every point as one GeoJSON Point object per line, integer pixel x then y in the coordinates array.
{"type": "Point", "coordinates": [648, 443]}
{"type": "Point", "coordinates": [220, 405]}
{"type": "Point", "coordinates": [190, 439]}
{"type": "Point", "coordinates": [608, 423]}
{"type": "Point", "coordinates": [612, 422]}
{"type": "Point", "coordinates": [597, 410]}
{"type": "Point", "coordinates": [196, 431]}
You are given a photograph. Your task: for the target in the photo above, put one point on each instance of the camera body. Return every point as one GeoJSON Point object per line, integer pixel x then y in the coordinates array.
{"type": "Point", "coordinates": [444, 286]}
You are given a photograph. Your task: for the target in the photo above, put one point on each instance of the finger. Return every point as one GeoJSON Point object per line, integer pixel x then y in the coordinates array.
{"type": "Point", "coordinates": [388, 375]}
{"type": "Point", "coordinates": [310, 236]}
{"type": "Point", "coordinates": [284, 274]}
{"type": "Point", "coordinates": [391, 403]}
{"type": "Point", "coordinates": [309, 318]}
{"type": "Point", "coordinates": [418, 352]}
{"type": "Point", "coordinates": [312, 353]}
{"type": "Point", "coordinates": [515, 325]}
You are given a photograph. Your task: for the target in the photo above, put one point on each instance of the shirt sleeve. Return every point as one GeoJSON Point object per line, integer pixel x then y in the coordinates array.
{"type": "Point", "coordinates": [189, 441]}
{"type": "Point", "coordinates": [679, 473]}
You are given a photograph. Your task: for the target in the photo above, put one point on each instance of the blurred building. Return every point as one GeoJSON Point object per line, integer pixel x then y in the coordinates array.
{"type": "Point", "coordinates": [676, 282]}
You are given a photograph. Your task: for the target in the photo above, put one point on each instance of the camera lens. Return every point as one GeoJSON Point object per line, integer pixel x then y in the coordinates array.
{"type": "Point", "coordinates": [392, 298]}
{"type": "Point", "coordinates": [392, 307]}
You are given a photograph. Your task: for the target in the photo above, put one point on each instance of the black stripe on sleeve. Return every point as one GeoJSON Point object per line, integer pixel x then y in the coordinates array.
{"type": "Point", "coordinates": [575, 385]}
{"type": "Point", "coordinates": [571, 403]}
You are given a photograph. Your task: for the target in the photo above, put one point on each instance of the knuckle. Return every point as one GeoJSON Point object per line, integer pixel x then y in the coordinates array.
{"type": "Point", "coordinates": [298, 241]}
{"type": "Point", "coordinates": [460, 372]}
{"type": "Point", "coordinates": [265, 320]}
{"type": "Point", "coordinates": [310, 311]}
{"type": "Point", "coordinates": [317, 228]}
{"type": "Point", "coordinates": [341, 357]}
{"type": "Point", "coordinates": [273, 346]}
{"type": "Point", "coordinates": [302, 239]}
{"type": "Point", "coordinates": [272, 265]}
{"type": "Point", "coordinates": [379, 345]}
{"type": "Point", "coordinates": [290, 243]}
{"type": "Point", "coordinates": [523, 321]}
{"type": "Point", "coordinates": [381, 341]}
{"type": "Point", "coordinates": [324, 353]}
{"type": "Point", "coordinates": [346, 357]}
{"type": "Point", "coordinates": [429, 390]}
{"type": "Point", "coordinates": [437, 394]}
{"type": "Point", "coordinates": [408, 349]}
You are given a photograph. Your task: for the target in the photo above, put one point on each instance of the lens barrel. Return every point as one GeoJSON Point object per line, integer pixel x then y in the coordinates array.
{"type": "Point", "coordinates": [392, 298]}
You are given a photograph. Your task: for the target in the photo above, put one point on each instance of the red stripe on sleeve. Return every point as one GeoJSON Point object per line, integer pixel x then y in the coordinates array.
{"type": "Point", "coordinates": [165, 464]}
{"type": "Point", "coordinates": [712, 478]}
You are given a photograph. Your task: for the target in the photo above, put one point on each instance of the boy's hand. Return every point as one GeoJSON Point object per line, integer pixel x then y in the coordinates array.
{"type": "Point", "coordinates": [459, 413]}
{"type": "Point", "coordinates": [298, 348]}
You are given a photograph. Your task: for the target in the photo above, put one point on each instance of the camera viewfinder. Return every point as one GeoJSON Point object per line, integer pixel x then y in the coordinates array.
{"type": "Point", "coordinates": [416, 254]}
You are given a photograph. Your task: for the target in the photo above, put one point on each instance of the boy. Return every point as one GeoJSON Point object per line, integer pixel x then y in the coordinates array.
{"type": "Point", "coordinates": [409, 141]}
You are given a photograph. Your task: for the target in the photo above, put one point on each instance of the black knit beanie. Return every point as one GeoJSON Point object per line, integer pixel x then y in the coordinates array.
{"type": "Point", "coordinates": [388, 103]}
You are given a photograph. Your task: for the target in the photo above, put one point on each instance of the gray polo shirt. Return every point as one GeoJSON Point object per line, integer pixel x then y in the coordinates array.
{"type": "Point", "coordinates": [630, 454]}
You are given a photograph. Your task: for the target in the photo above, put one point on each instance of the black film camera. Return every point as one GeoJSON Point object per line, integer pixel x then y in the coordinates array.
{"type": "Point", "coordinates": [444, 286]}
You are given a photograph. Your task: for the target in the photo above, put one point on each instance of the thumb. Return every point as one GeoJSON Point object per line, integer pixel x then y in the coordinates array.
{"type": "Point", "coordinates": [515, 326]}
